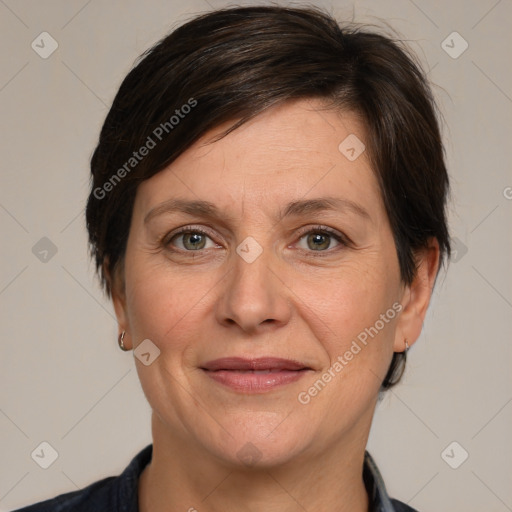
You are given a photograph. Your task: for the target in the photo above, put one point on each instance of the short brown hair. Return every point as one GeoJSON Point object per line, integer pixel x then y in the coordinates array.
{"type": "Point", "coordinates": [232, 64]}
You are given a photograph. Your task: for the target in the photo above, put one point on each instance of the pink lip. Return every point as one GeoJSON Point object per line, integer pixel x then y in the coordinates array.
{"type": "Point", "coordinates": [262, 363]}
{"type": "Point", "coordinates": [243, 374]}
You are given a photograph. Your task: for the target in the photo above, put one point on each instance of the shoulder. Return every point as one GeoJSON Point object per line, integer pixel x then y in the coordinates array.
{"type": "Point", "coordinates": [97, 496]}
{"type": "Point", "coordinates": [379, 498]}
{"type": "Point", "coordinates": [112, 493]}
{"type": "Point", "coordinates": [398, 506]}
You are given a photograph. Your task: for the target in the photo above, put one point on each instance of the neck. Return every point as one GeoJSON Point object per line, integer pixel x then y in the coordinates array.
{"type": "Point", "coordinates": [181, 477]}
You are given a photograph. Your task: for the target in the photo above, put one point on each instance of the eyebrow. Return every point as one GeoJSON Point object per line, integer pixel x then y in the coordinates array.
{"type": "Point", "coordinates": [302, 207]}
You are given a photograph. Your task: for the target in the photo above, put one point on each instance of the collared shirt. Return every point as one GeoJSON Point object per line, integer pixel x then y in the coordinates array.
{"type": "Point", "coordinates": [120, 493]}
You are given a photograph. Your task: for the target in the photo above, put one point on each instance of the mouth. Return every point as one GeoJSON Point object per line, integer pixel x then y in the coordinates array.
{"type": "Point", "coordinates": [255, 375]}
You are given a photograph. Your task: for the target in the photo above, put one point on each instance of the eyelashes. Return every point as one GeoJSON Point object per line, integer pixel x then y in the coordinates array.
{"type": "Point", "coordinates": [322, 233]}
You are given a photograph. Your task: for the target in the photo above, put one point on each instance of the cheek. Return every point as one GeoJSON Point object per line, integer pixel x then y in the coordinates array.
{"type": "Point", "coordinates": [153, 305]}
{"type": "Point", "coordinates": [355, 311]}
{"type": "Point", "coordinates": [356, 340]}
{"type": "Point", "coordinates": [353, 297]}
{"type": "Point", "coordinates": [164, 305]}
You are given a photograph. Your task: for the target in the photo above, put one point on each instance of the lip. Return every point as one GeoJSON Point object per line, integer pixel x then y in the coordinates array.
{"type": "Point", "coordinates": [254, 375]}
{"type": "Point", "coordinates": [261, 363]}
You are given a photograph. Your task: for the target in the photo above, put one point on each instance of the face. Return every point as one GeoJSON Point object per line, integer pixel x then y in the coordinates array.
{"type": "Point", "coordinates": [264, 278]}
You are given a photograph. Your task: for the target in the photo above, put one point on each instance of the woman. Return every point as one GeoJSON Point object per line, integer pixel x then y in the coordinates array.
{"type": "Point", "coordinates": [267, 213]}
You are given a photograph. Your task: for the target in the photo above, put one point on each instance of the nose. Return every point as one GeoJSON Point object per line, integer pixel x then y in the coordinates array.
{"type": "Point", "coordinates": [254, 296]}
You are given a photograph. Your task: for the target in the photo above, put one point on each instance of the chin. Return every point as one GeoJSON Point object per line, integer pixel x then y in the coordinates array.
{"type": "Point", "coordinates": [259, 444]}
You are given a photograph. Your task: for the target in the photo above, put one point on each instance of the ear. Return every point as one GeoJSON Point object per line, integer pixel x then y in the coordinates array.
{"type": "Point", "coordinates": [416, 297]}
{"type": "Point", "coordinates": [117, 292]}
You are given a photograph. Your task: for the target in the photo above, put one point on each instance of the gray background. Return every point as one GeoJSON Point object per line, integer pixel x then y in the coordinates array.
{"type": "Point", "coordinates": [64, 380]}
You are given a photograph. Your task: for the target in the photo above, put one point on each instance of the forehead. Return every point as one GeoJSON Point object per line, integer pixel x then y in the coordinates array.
{"type": "Point", "coordinates": [292, 151]}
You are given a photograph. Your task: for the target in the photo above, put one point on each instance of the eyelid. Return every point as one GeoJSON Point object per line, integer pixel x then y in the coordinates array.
{"type": "Point", "coordinates": [186, 229]}
{"type": "Point", "coordinates": [326, 229]}
{"type": "Point", "coordinates": [340, 237]}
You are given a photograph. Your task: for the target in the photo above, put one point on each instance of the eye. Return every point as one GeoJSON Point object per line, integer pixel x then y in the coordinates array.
{"type": "Point", "coordinates": [320, 238]}
{"type": "Point", "coordinates": [193, 239]}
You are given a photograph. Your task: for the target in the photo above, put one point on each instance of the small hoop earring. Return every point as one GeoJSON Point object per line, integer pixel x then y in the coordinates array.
{"type": "Point", "coordinates": [120, 341]}
{"type": "Point", "coordinates": [406, 346]}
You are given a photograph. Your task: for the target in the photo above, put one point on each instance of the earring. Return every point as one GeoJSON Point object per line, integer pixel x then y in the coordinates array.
{"type": "Point", "coordinates": [120, 341]}
{"type": "Point", "coordinates": [406, 346]}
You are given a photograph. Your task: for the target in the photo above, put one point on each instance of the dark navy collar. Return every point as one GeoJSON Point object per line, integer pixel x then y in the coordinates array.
{"type": "Point", "coordinates": [378, 498]}
{"type": "Point", "coordinates": [379, 501]}
{"type": "Point", "coordinates": [128, 495]}
{"type": "Point", "coordinates": [120, 494]}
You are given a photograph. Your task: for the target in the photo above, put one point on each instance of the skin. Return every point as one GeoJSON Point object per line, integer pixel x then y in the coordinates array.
{"type": "Point", "coordinates": [199, 305]}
